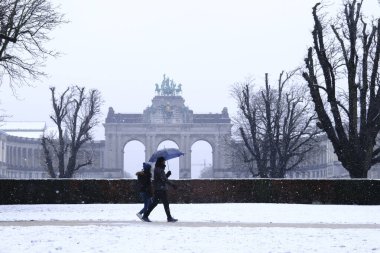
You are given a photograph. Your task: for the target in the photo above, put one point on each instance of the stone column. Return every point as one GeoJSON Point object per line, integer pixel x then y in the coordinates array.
{"type": "Point", "coordinates": [25, 157]}
{"type": "Point", "coordinates": [187, 157]}
{"type": "Point", "coordinates": [220, 165]}
{"type": "Point", "coordinates": [185, 161]}
{"type": "Point", "coordinates": [29, 158]}
{"type": "Point", "coordinates": [108, 151]}
{"type": "Point", "coordinates": [19, 156]}
{"type": "Point", "coordinates": [150, 146]}
{"type": "Point", "coordinates": [119, 153]}
{"type": "Point", "coordinates": [12, 156]}
{"type": "Point", "coordinates": [216, 159]}
{"type": "Point", "coordinates": [181, 160]}
{"type": "Point", "coordinates": [8, 161]}
{"type": "Point", "coordinates": [146, 146]}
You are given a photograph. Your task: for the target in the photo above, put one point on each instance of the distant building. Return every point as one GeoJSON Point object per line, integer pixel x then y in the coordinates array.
{"type": "Point", "coordinates": [321, 162]}
{"type": "Point", "coordinates": [166, 119]}
{"type": "Point", "coordinates": [21, 154]}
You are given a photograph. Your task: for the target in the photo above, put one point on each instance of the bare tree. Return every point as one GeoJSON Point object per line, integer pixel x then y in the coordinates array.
{"type": "Point", "coordinates": [346, 53]}
{"type": "Point", "coordinates": [24, 29]}
{"type": "Point", "coordinates": [75, 115]}
{"type": "Point", "coordinates": [276, 126]}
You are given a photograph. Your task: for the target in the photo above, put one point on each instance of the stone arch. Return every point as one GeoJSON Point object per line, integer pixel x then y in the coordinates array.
{"type": "Point", "coordinates": [133, 156]}
{"type": "Point", "coordinates": [168, 118]}
{"type": "Point", "coordinates": [201, 157]}
{"type": "Point", "coordinates": [166, 138]}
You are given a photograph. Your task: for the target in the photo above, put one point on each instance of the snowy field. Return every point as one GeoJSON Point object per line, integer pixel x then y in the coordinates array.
{"type": "Point", "coordinates": [201, 228]}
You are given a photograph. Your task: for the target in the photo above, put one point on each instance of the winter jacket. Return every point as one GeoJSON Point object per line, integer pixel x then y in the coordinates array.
{"type": "Point", "coordinates": [144, 180]}
{"type": "Point", "coordinates": [161, 179]}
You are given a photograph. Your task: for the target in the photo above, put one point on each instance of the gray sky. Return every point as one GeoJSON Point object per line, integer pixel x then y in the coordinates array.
{"type": "Point", "coordinates": [124, 47]}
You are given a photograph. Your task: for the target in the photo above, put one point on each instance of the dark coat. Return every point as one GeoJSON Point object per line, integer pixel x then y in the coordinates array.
{"type": "Point", "coordinates": [144, 181]}
{"type": "Point", "coordinates": [161, 179]}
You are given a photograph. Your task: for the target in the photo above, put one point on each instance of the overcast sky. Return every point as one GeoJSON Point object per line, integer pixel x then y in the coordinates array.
{"type": "Point", "coordinates": [124, 47]}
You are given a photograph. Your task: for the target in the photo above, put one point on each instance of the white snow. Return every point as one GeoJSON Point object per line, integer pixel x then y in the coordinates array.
{"type": "Point", "coordinates": [201, 228]}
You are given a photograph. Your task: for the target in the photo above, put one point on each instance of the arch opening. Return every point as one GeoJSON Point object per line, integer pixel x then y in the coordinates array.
{"type": "Point", "coordinates": [134, 156]}
{"type": "Point", "coordinates": [201, 160]}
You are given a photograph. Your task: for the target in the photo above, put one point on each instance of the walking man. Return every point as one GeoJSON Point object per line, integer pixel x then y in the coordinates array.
{"type": "Point", "coordinates": [160, 187]}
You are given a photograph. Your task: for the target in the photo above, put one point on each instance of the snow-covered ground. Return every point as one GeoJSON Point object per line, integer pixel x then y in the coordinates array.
{"type": "Point", "coordinates": [201, 228]}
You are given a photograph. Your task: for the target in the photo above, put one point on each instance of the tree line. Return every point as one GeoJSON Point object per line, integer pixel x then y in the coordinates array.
{"type": "Point", "coordinates": [335, 92]}
{"type": "Point", "coordinates": [278, 125]}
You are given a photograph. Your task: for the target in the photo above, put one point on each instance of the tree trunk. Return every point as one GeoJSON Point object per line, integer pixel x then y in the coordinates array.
{"type": "Point", "coordinates": [357, 170]}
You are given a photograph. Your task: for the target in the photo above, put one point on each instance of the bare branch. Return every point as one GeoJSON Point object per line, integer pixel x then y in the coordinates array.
{"type": "Point", "coordinates": [25, 23]}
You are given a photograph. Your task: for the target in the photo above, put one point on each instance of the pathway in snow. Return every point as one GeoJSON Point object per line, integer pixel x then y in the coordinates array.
{"type": "Point", "coordinates": [186, 224]}
{"type": "Point", "coordinates": [202, 228]}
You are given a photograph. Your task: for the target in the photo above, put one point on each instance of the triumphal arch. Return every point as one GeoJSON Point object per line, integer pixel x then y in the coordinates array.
{"type": "Point", "coordinates": [168, 119]}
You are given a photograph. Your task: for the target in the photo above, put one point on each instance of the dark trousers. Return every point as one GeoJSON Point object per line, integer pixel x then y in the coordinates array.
{"type": "Point", "coordinates": [159, 195]}
{"type": "Point", "coordinates": [147, 199]}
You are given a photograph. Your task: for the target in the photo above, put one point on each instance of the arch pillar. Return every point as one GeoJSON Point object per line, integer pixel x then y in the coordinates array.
{"type": "Point", "coordinates": [150, 146]}
{"type": "Point", "coordinates": [185, 161]}
{"type": "Point", "coordinates": [215, 157]}
{"type": "Point", "coordinates": [113, 155]}
{"type": "Point", "coordinates": [119, 153]}
{"type": "Point", "coordinates": [220, 165]}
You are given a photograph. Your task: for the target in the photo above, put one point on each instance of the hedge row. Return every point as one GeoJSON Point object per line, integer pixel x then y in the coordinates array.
{"type": "Point", "coordinates": [73, 191]}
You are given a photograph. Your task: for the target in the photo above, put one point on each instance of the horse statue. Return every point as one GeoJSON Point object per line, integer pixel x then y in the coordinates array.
{"type": "Point", "coordinates": [158, 90]}
{"type": "Point", "coordinates": [168, 87]}
{"type": "Point", "coordinates": [179, 89]}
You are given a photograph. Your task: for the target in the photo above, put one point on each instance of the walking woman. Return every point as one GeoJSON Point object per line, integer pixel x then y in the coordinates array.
{"type": "Point", "coordinates": [144, 179]}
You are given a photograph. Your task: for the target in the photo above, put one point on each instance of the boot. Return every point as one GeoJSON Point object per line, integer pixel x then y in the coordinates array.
{"type": "Point", "coordinates": [145, 218]}
{"type": "Point", "coordinates": [171, 219]}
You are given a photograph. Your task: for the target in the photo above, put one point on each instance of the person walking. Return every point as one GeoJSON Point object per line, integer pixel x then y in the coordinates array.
{"type": "Point", "coordinates": [144, 180]}
{"type": "Point", "coordinates": [160, 190]}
